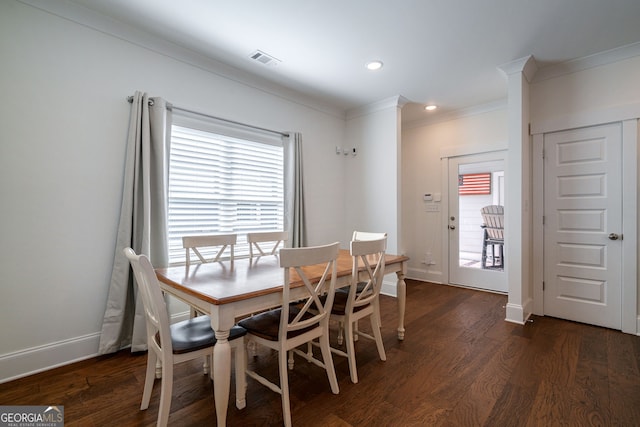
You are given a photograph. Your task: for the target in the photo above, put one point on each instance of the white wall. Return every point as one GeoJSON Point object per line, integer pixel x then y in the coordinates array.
{"type": "Point", "coordinates": [64, 120]}
{"type": "Point", "coordinates": [422, 173]}
{"type": "Point", "coordinates": [372, 177]}
{"type": "Point", "coordinates": [372, 182]}
{"type": "Point", "coordinates": [589, 92]}
{"type": "Point", "coordinates": [518, 205]}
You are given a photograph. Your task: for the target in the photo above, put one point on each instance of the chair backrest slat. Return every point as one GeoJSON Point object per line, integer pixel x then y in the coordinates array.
{"type": "Point", "coordinates": [222, 241]}
{"type": "Point", "coordinates": [366, 235]}
{"type": "Point", "coordinates": [306, 263]}
{"type": "Point", "coordinates": [367, 272]}
{"type": "Point", "coordinates": [275, 237]}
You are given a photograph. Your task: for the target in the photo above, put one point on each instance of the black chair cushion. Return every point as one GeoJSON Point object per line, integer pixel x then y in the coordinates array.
{"type": "Point", "coordinates": [359, 288]}
{"type": "Point", "coordinates": [196, 333]}
{"type": "Point", "coordinates": [340, 302]}
{"type": "Point", "coordinates": [267, 325]}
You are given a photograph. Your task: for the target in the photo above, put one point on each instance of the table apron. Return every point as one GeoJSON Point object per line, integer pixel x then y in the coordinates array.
{"type": "Point", "coordinates": [224, 316]}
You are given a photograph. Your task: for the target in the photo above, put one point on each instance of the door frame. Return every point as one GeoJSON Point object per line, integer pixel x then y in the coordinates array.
{"type": "Point", "coordinates": [445, 154]}
{"type": "Point", "coordinates": [629, 285]}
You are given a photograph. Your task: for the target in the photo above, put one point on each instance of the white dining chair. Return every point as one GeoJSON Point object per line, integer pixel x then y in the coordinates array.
{"type": "Point", "coordinates": [360, 299]}
{"type": "Point", "coordinates": [220, 241]}
{"type": "Point", "coordinates": [215, 245]}
{"type": "Point", "coordinates": [274, 238]}
{"type": "Point", "coordinates": [171, 344]}
{"type": "Point", "coordinates": [361, 236]}
{"type": "Point", "coordinates": [292, 325]}
{"type": "Point", "coordinates": [366, 235]}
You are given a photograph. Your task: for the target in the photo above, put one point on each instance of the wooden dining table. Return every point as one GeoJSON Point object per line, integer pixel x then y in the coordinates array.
{"type": "Point", "coordinates": [228, 290]}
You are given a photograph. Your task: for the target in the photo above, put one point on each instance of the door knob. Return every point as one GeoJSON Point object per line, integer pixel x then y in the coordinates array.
{"type": "Point", "coordinates": [613, 236]}
{"type": "Point", "coordinates": [453, 227]}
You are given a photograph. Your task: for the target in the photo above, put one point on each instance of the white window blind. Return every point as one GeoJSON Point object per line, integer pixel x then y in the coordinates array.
{"type": "Point", "coordinates": [223, 184]}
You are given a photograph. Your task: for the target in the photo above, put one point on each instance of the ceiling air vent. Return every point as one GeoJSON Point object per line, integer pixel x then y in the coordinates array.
{"type": "Point", "coordinates": [264, 58]}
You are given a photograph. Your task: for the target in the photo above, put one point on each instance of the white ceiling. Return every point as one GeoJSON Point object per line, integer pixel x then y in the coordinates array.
{"type": "Point", "coordinates": [445, 52]}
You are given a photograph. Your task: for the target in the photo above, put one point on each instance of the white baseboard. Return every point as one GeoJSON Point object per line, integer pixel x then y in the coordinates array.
{"type": "Point", "coordinates": [432, 276]}
{"type": "Point", "coordinates": [38, 359]}
{"type": "Point", "coordinates": [516, 314]}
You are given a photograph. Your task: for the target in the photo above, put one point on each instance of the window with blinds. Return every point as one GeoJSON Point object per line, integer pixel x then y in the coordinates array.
{"type": "Point", "coordinates": [223, 183]}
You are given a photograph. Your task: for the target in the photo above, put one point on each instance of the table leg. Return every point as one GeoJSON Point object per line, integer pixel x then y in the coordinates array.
{"type": "Point", "coordinates": [402, 301]}
{"type": "Point", "coordinates": [221, 375]}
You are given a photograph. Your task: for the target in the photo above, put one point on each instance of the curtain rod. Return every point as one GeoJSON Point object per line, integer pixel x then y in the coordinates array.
{"type": "Point", "coordinates": [185, 110]}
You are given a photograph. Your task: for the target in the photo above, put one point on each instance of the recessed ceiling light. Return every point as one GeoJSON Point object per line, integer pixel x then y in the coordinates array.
{"type": "Point", "coordinates": [374, 65]}
{"type": "Point", "coordinates": [430, 107]}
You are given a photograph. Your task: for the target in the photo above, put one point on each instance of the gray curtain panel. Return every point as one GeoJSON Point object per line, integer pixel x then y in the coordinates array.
{"type": "Point", "coordinates": [294, 191]}
{"type": "Point", "coordinates": [143, 221]}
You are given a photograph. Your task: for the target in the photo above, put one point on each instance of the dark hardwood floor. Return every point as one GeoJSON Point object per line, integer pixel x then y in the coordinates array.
{"type": "Point", "coordinates": [460, 364]}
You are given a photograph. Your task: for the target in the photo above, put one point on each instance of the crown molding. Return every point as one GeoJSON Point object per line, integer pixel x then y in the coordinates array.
{"type": "Point", "coordinates": [500, 104]}
{"type": "Point", "coordinates": [397, 101]}
{"type": "Point", "coordinates": [88, 18]}
{"type": "Point", "coordinates": [526, 65]}
{"type": "Point", "coordinates": [534, 73]}
{"type": "Point", "coordinates": [591, 61]}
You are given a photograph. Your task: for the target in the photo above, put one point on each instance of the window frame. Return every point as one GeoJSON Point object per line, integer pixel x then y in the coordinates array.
{"type": "Point", "coordinates": [231, 133]}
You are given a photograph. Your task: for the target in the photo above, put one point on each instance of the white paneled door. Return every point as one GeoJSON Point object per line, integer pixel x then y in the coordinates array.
{"type": "Point", "coordinates": [583, 225]}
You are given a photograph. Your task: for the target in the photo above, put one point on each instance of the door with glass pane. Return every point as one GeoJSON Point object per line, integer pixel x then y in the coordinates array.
{"type": "Point", "coordinates": [475, 181]}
